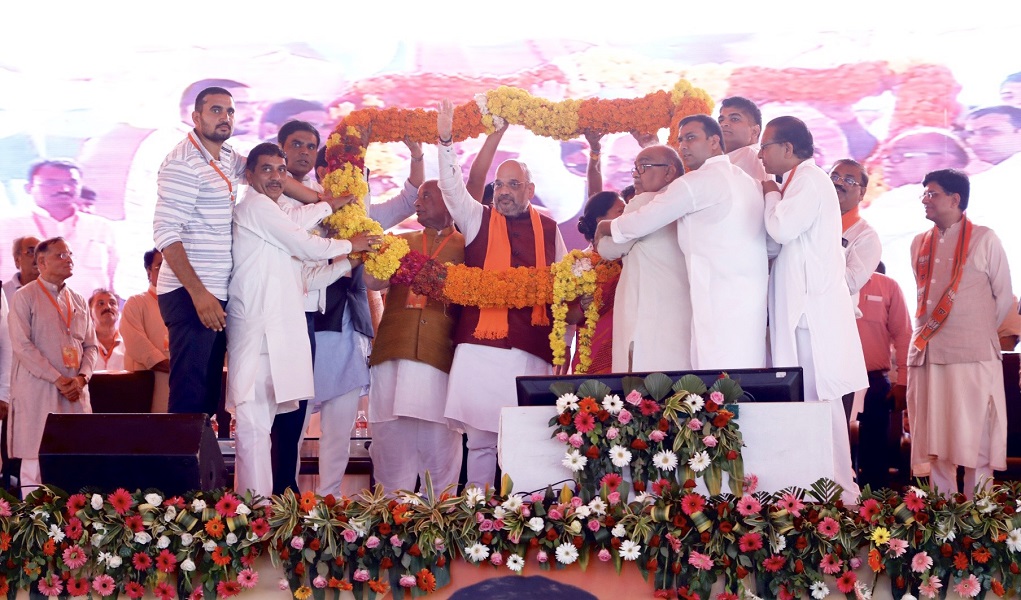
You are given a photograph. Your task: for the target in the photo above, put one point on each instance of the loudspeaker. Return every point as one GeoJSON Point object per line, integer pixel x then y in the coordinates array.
{"type": "Point", "coordinates": [175, 453]}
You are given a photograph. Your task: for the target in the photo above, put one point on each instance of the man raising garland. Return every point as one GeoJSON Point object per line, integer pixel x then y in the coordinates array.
{"type": "Point", "coordinates": [495, 345]}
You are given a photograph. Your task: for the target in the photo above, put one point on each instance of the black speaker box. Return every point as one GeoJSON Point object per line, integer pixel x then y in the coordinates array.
{"type": "Point", "coordinates": [175, 453]}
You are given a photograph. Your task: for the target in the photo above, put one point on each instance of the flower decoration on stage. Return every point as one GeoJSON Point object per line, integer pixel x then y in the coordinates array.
{"type": "Point", "coordinates": [580, 274]}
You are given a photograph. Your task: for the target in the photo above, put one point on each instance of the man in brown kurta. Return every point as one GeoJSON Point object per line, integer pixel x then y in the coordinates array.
{"type": "Point", "coordinates": [411, 358]}
{"type": "Point", "coordinates": [54, 346]}
{"type": "Point", "coordinates": [956, 400]}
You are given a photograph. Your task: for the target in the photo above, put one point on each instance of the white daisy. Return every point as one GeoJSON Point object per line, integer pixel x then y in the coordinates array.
{"type": "Point", "coordinates": [629, 550]}
{"type": "Point", "coordinates": [613, 404]}
{"type": "Point", "coordinates": [1014, 540]}
{"type": "Point", "coordinates": [499, 512]}
{"type": "Point", "coordinates": [862, 592]}
{"type": "Point", "coordinates": [921, 493]}
{"type": "Point", "coordinates": [620, 456]}
{"type": "Point", "coordinates": [567, 402]}
{"type": "Point", "coordinates": [582, 512]}
{"type": "Point", "coordinates": [645, 497]}
{"type": "Point", "coordinates": [512, 504]}
{"type": "Point", "coordinates": [473, 496]}
{"type": "Point", "coordinates": [985, 505]}
{"type": "Point", "coordinates": [778, 544]}
{"type": "Point", "coordinates": [566, 553]}
{"type": "Point", "coordinates": [598, 506]}
{"type": "Point", "coordinates": [819, 590]}
{"type": "Point", "coordinates": [56, 533]}
{"type": "Point", "coordinates": [477, 552]}
{"type": "Point", "coordinates": [694, 402]}
{"type": "Point", "coordinates": [574, 461]}
{"type": "Point", "coordinates": [618, 530]}
{"type": "Point", "coordinates": [945, 532]}
{"type": "Point", "coordinates": [515, 563]}
{"type": "Point", "coordinates": [666, 460]}
{"type": "Point", "coordinates": [536, 524]}
{"type": "Point", "coordinates": [699, 461]}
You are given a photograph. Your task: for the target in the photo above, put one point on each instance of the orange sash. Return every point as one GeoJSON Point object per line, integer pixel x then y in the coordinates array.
{"type": "Point", "coordinates": [923, 276]}
{"type": "Point", "coordinates": [849, 218]}
{"type": "Point", "coordinates": [493, 321]}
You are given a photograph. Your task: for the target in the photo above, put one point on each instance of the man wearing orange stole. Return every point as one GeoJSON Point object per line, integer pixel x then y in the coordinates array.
{"type": "Point", "coordinates": [956, 401]}
{"type": "Point", "coordinates": [495, 345]}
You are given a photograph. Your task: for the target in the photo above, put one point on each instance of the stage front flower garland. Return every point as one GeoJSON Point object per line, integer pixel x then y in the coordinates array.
{"type": "Point", "coordinates": [786, 544]}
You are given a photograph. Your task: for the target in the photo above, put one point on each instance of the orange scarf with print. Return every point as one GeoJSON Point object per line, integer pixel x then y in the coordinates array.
{"type": "Point", "coordinates": [923, 277]}
{"type": "Point", "coordinates": [493, 321]}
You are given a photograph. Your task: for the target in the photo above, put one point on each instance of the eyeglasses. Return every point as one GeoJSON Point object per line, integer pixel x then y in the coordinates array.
{"type": "Point", "coordinates": [763, 145]}
{"type": "Point", "coordinates": [835, 178]}
{"type": "Point", "coordinates": [513, 184]}
{"type": "Point", "coordinates": [64, 255]}
{"type": "Point", "coordinates": [930, 194]}
{"type": "Point", "coordinates": [640, 169]}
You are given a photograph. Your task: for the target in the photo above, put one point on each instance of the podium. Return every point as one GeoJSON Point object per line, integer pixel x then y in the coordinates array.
{"type": "Point", "coordinates": [786, 444]}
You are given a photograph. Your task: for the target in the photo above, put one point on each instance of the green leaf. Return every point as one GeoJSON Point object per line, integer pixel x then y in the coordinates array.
{"type": "Point", "coordinates": [561, 387]}
{"type": "Point", "coordinates": [690, 383]}
{"type": "Point", "coordinates": [713, 477]}
{"type": "Point", "coordinates": [730, 389]}
{"type": "Point", "coordinates": [658, 385]}
{"type": "Point", "coordinates": [506, 485]}
{"type": "Point", "coordinates": [308, 554]}
{"type": "Point", "coordinates": [592, 388]}
{"type": "Point", "coordinates": [632, 383]}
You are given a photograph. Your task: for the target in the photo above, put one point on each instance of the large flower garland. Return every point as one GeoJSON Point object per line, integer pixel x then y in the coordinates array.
{"type": "Point", "coordinates": [580, 273]}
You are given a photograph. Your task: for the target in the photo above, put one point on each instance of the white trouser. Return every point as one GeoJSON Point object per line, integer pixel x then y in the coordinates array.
{"type": "Point", "coordinates": [481, 456]}
{"type": "Point", "coordinates": [336, 419]}
{"type": "Point", "coordinates": [30, 477]}
{"type": "Point", "coordinates": [405, 448]}
{"type": "Point", "coordinates": [253, 419]}
{"type": "Point", "coordinates": [943, 473]}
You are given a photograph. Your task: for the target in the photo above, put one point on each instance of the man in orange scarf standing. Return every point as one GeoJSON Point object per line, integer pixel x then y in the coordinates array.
{"type": "Point", "coordinates": [956, 401]}
{"type": "Point", "coordinates": [494, 345]}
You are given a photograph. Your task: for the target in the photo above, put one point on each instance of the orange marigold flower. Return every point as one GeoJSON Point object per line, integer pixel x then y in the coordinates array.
{"type": "Point", "coordinates": [214, 527]}
{"type": "Point", "coordinates": [307, 501]}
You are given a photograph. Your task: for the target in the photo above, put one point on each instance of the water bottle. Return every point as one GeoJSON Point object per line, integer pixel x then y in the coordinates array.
{"type": "Point", "coordinates": [361, 425]}
{"type": "Point", "coordinates": [215, 426]}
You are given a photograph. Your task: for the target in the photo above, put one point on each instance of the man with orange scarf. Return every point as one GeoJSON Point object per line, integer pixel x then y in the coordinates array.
{"type": "Point", "coordinates": [494, 345]}
{"type": "Point", "coordinates": [956, 401]}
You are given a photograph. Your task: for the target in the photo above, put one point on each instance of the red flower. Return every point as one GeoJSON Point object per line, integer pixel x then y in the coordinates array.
{"type": "Point", "coordinates": [75, 503]}
{"type": "Point", "coordinates": [648, 407]}
{"type": "Point", "coordinates": [799, 566]}
{"type": "Point", "coordinates": [692, 503]}
{"type": "Point", "coordinates": [612, 481]}
{"type": "Point", "coordinates": [5, 541]}
{"type": "Point", "coordinates": [386, 563]}
{"type": "Point", "coordinates": [846, 581]}
{"type": "Point", "coordinates": [875, 560]}
{"type": "Point", "coordinates": [133, 589]}
{"type": "Point", "coordinates": [869, 509]}
{"type": "Point", "coordinates": [260, 527]}
{"type": "Point", "coordinates": [726, 526]}
{"type": "Point", "coordinates": [175, 501]}
{"type": "Point", "coordinates": [425, 580]}
{"type": "Point", "coordinates": [722, 418]}
{"type": "Point", "coordinates": [228, 505]}
{"type": "Point", "coordinates": [414, 550]}
{"type": "Point", "coordinates": [314, 545]}
{"type": "Point", "coordinates": [164, 591]}
{"type": "Point", "coordinates": [750, 542]}
{"type": "Point", "coordinates": [134, 523]}
{"type": "Point", "coordinates": [564, 419]}
{"type": "Point", "coordinates": [774, 563]}
{"type": "Point", "coordinates": [664, 425]}
{"type": "Point", "coordinates": [78, 587]}
{"type": "Point", "coordinates": [981, 555]}
{"type": "Point", "coordinates": [961, 561]}
{"type": "Point", "coordinates": [166, 561]}
{"type": "Point", "coordinates": [226, 589]}
{"type": "Point", "coordinates": [731, 454]}
{"type": "Point", "coordinates": [592, 452]}
{"type": "Point", "coordinates": [660, 486]}
{"type": "Point", "coordinates": [997, 588]}
{"type": "Point", "coordinates": [584, 422]}
{"type": "Point", "coordinates": [141, 561]}
{"type": "Point", "coordinates": [639, 444]}
{"type": "Point", "coordinates": [384, 529]}
{"type": "Point", "coordinates": [73, 529]}
{"type": "Point", "coordinates": [120, 500]}
{"type": "Point", "coordinates": [50, 547]}
{"type": "Point", "coordinates": [221, 560]}
{"type": "Point", "coordinates": [946, 550]}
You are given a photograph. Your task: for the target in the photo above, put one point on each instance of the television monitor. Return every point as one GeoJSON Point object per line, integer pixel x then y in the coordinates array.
{"type": "Point", "coordinates": [784, 384]}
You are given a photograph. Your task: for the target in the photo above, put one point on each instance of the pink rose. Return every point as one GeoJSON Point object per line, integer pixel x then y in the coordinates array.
{"type": "Point", "coordinates": [497, 524]}
{"type": "Point", "coordinates": [514, 538]}
{"type": "Point", "coordinates": [319, 582]}
{"type": "Point", "coordinates": [479, 517]}
{"type": "Point", "coordinates": [438, 545]}
{"type": "Point", "coordinates": [855, 562]}
{"type": "Point", "coordinates": [525, 511]}
{"type": "Point", "coordinates": [555, 514]}
{"type": "Point", "coordinates": [396, 541]}
{"type": "Point", "coordinates": [282, 584]}
{"type": "Point", "coordinates": [408, 581]}
{"type": "Point", "coordinates": [612, 433]}
{"type": "Point", "coordinates": [716, 397]}
{"type": "Point", "coordinates": [562, 437]}
{"type": "Point", "coordinates": [576, 501]}
{"type": "Point", "coordinates": [624, 416]}
{"type": "Point", "coordinates": [486, 525]}
{"type": "Point", "coordinates": [709, 441]}
{"type": "Point", "coordinates": [361, 575]}
{"type": "Point", "coordinates": [537, 496]}
{"type": "Point", "coordinates": [657, 436]}
{"type": "Point", "coordinates": [575, 440]}
{"type": "Point", "coordinates": [372, 542]}
{"type": "Point", "coordinates": [694, 424]}
{"type": "Point", "coordinates": [350, 535]}
{"type": "Point", "coordinates": [297, 543]}
{"type": "Point", "coordinates": [613, 497]}
{"type": "Point", "coordinates": [541, 556]}
{"type": "Point", "coordinates": [604, 555]}
{"type": "Point", "coordinates": [496, 559]}
{"type": "Point", "coordinates": [634, 398]}
{"type": "Point", "coordinates": [593, 525]}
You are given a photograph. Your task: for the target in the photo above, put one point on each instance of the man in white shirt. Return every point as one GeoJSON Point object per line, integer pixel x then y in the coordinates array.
{"type": "Point", "coordinates": [146, 341]}
{"type": "Point", "coordinates": [718, 211]}
{"type": "Point", "coordinates": [741, 122]}
{"type": "Point", "coordinates": [270, 357]}
{"type": "Point", "coordinates": [23, 251]}
{"type": "Point", "coordinates": [811, 316]}
{"type": "Point", "coordinates": [103, 306]}
{"type": "Point", "coordinates": [862, 249]}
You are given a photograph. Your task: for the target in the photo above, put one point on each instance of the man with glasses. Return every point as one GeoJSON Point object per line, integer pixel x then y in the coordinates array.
{"type": "Point", "coordinates": [54, 345]}
{"type": "Point", "coordinates": [24, 259]}
{"type": "Point", "coordinates": [811, 316]}
{"type": "Point", "coordinates": [741, 122]}
{"type": "Point", "coordinates": [862, 249]}
{"type": "Point", "coordinates": [55, 186]}
{"type": "Point", "coordinates": [652, 305]}
{"type": "Point", "coordinates": [956, 400]}
{"type": "Point", "coordinates": [717, 210]}
{"type": "Point", "coordinates": [494, 345]}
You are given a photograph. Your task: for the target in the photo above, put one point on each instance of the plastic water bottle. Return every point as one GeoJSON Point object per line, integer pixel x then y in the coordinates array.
{"type": "Point", "coordinates": [361, 425]}
{"type": "Point", "coordinates": [215, 426]}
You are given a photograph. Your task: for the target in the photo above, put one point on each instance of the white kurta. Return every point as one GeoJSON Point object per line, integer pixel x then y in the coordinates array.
{"type": "Point", "coordinates": [861, 256]}
{"type": "Point", "coordinates": [807, 284]}
{"type": "Point", "coordinates": [720, 231]}
{"type": "Point", "coordinates": [747, 158]}
{"type": "Point", "coordinates": [266, 306]}
{"type": "Point", "coordinates": [652, 305]}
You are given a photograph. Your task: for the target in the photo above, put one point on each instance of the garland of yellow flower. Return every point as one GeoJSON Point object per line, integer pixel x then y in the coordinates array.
{"type": "Point", "coordinates": [580, 273]}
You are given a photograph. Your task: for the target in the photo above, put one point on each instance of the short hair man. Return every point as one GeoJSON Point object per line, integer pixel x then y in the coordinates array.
{"type": "Point", "coordinates": [994, 133]}
{"type": "Point", "coordinates": [811, 316]}
{"type": "Point", "coordinates": [146, 340]}
{"type": "Point", "coordinates": [1010, 90]}
{"type": "Point", "coordinates": [862, 249]}
{"type": "Point", "coordinates": [54, 346]}
{"type": "Point", "coordinates": [741, 123]}
{"type": "Point", "coordinates": [495, 345]}
{"type": "Point", "coordinates": [411, 358]}
{"type": "Point", "coordinates": [23, 250]}
{"type": "Point", "coordinates": [55, 186]}
{"type": "Point", "coordinates": [717, 209]}
{"type": "Point", "coordinates": [270, 355]}
{"type": "Point", "coordinates": [955, 394]}
{"type": "Point", "coordinates": [103, 306]}
{"type": "Point", "coordinates": [649, 334]}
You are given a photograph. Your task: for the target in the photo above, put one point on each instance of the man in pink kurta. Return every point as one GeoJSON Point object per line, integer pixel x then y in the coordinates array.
{"type": "Point", "coordinates": [54, 346]}
{"type": "Point", "coordinates": [956, 401]}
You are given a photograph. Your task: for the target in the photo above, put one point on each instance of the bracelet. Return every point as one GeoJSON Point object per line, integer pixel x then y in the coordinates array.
{"type": "Point", "coordinates": [447, 142]}
{"type": "Point", "coordinates": [418, 158]}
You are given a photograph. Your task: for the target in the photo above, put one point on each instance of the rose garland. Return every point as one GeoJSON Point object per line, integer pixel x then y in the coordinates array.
{"type": "Point", "coordinates": [580, 273]}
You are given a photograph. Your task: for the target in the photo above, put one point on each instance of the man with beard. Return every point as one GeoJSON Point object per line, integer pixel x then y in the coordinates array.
{"type": "Point", "coordinates": [741, 122]}
{"type": "Point", "coordinates": [811, 316]}
{"type": "Point", "coordinates": [103, 307]}
{"type": "Point", "coordinates": [495, 345]}
{"type": "Point", "coordinates": [24, 259]}
{"type": "Point", "coordinates": [717, 209]}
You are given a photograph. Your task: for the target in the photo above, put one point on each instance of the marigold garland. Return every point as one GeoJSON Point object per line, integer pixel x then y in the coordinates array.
{"type": "Point", "coordinates": [580, 273]}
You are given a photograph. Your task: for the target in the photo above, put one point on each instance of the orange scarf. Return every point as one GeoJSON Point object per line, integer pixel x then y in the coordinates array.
{"type": "Point", "coordinates": [849, 218]}
{"type": "Point", "coordinates": [493, 321]}
{"type": "Point", "coordinates": [923, 277]}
